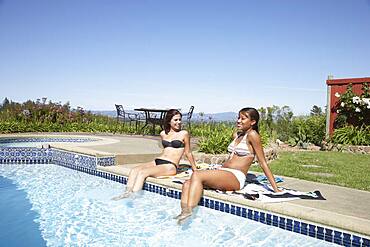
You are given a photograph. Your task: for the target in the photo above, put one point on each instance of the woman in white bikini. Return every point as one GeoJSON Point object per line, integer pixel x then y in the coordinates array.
{"type": "Point", "coordinates": [243, 149]}
{"type": "Point", "coordinates": [175, 143]}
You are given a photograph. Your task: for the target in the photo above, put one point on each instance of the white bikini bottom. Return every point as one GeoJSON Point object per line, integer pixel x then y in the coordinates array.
{"type": "Point", "coordinates": [238, 174]}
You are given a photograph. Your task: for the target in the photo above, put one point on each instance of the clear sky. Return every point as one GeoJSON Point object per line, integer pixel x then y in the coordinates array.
{"type": "Point", "coordinates": [218, 55]}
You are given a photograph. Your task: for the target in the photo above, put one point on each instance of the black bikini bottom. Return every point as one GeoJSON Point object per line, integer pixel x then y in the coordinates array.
{"type": "Point", "coordinates": [162, 162]}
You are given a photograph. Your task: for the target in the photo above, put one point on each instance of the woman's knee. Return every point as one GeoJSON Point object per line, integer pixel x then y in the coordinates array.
{"type": "Point", "coordinates": [137, 169]}
{"type": "Point", "coordinates": [195, 176]}
{"type": "Point", "coordinates": [142, 173]}
{"type": "Point", "coordinates": [186, 184]}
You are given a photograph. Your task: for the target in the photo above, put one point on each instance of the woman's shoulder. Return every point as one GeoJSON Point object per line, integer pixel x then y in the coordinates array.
{"type": "Point", "coordinates": [184, 132]}
{"type": "Point", "coordinates": [253, 135]}
{"type": "Point", "coordinates": [162, 134]}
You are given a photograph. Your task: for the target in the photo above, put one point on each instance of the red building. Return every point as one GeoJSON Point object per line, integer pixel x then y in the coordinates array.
{"type": "Point", "coordinates": [340, 86]}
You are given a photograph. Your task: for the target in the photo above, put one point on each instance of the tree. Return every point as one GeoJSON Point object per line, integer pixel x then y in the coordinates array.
{"type": "Point", "coordinates": [316, 111]}
{"type": "Point", "coordinates": [201, 115]}
{"type": "Point", "coordinates": [5, 103]}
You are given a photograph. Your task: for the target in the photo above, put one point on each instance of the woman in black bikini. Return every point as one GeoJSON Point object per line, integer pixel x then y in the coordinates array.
{"type": "Point", "coordinates": [175, 142]}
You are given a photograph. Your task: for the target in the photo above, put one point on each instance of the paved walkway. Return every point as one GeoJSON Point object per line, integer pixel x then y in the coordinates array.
{"type": "Point", "coordinates": [343, 208]}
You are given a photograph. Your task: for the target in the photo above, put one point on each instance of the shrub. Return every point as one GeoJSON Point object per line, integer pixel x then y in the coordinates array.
{"type": "Point", "coordinates": [352, 135]}
{"type": "Point", "coordinates": [214, 137]}
{"type": "Point", "coordinates": [307, 129]}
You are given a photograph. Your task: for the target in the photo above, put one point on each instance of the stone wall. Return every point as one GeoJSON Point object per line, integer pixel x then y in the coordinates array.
{"type": "Point", "coordinates": [346, 148]}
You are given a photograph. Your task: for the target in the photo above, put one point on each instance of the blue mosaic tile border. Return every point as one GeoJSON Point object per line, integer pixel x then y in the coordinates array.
{"type": "Point", "coordinates": [33, 155]}
{"type": "Point", "coordinates": [45, 139]}
{"type": "Point", "coordinates": [65, 158]}
{"type": "Point", "coordinates": [29, 155]}
{"type": "Point", "coordinates": [106, 161]}
{"type": "Point", "coordinates": [87, 164]}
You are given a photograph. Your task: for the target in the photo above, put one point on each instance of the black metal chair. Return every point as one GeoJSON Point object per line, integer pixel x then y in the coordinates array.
{"type": "Point", "coordinates": [123, 116]}
{"type": "Point", "coordinates": [186, 118]}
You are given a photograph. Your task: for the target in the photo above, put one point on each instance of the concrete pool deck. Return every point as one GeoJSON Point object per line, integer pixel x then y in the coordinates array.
{"type": "Point", "coordinates": [344, 208]}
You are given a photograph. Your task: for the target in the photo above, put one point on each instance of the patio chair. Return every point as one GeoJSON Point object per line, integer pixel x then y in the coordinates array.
{"type": "Point", "coordinates": [125, 117]}
{"type": "Point", "coordinates": [186, 117]}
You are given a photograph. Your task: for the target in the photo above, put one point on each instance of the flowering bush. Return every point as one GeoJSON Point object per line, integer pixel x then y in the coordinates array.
{"type": "Point", "coordinates": [353, 109]}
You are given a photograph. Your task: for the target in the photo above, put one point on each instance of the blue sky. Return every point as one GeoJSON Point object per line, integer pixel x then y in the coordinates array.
{"type": "Point", "coordinates": [216, 55]}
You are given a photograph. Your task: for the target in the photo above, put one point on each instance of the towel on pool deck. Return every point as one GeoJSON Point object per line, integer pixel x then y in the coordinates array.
{"type": "Point", "coordinates": [265, 193]}
{"type": "Point", "coordinates": [258, 188]}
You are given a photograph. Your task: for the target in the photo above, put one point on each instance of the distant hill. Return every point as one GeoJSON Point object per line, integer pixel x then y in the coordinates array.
{"type": "Point", "coordinates": [105, 113]}
{"type": "Point", "coordinates": [218, 117]}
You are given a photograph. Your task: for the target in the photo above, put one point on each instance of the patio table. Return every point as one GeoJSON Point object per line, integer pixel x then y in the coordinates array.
{"type": "Point", "coordinates": [153, 116]}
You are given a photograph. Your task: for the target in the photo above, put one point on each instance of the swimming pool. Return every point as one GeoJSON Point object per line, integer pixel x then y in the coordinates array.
{"type": "Point", "coordinates": [74, 209]}
{"type": "Point", "coordinates": [32, 157]}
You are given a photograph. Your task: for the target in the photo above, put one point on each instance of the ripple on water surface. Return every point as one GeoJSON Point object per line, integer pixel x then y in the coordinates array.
{"type": "Point", "coordinates": [75, 209]}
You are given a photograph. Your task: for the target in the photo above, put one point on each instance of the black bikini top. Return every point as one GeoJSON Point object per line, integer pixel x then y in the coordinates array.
{"type": "Point", "coordinates": [173, 144]}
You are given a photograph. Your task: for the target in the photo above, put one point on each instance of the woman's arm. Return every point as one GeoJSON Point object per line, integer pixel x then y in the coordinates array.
{"type": "Point", "coordinates": [187, 151]}
{"type": "Point", "coordinates": [255, 140]}
{"type": "Point", "coordinates": [162, 134]}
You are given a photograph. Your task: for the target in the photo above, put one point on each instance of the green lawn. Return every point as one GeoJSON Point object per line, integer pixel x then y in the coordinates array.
{"type": "Point", "coordinates": [343, 169]}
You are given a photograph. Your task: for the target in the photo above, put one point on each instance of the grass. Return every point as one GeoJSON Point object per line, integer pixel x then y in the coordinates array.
{"type": "Point", "coordinates": [343, 169]}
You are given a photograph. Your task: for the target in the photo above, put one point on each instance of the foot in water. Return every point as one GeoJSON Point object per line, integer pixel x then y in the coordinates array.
{"type": "Point", "coordinates": [183, 216]}
{"type": "Point", "coordinates": [124, 195]}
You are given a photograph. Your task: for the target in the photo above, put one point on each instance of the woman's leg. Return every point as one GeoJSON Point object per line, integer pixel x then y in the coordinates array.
{"type": "Point", "coordinates": [153, 171]}
{"type": "Point", "coordinates": [185, 192]}
{"type": "Point", "coordinates": [133, 174]}
{"type": "Point", "coordinates": [131, 180]}
{"type": "Point", "coordinates": [184, 198]}
{"type": "Point", "coordinates": [216, 179]}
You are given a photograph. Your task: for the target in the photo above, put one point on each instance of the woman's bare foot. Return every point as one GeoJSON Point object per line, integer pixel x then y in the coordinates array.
{"type": "Point", "coordinates": [122, 196]}
{"type": "Point", "coordinates": [183, 216]}
{"type": "Point", "coordinates": [185, 213]}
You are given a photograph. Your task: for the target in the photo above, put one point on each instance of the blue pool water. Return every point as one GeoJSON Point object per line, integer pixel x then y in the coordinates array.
{"type": "Point", "coordinates": [17, 225]}
{"type": "Point", "coordinates": [74, 209]}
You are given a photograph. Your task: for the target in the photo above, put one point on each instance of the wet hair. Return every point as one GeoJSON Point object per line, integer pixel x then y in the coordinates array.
{"type": "Point", "coordinates": [167, 120]}
{"type": "Point", "coordinates": [254, 115]}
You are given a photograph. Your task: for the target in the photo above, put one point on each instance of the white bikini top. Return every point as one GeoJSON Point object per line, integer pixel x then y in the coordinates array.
{"type": "Point", "coordinates": [241, 149]}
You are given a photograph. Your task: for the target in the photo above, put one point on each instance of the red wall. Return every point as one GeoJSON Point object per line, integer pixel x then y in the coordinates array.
{"type": "Point", "coordinates": [340, 86]}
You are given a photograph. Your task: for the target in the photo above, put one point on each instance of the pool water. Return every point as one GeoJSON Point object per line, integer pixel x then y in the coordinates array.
{"type": "Point", "coordinates": [74, 209]}
{"type": "Point", "coordinates": [17, 219]}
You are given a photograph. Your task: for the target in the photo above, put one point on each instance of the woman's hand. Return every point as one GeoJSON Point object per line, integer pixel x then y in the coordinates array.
{"type": "Point", "coordinates": [278, 190]}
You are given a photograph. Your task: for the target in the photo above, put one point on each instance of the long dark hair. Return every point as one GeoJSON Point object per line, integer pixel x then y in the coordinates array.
{"type": "Point", "coordinates": [167, 119]}
{"type": "Point", "coordinates": [254, 115]}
